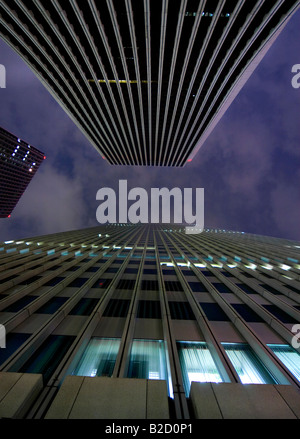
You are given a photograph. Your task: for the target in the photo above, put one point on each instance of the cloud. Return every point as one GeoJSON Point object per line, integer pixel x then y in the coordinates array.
{"type": "Point", "coordinates": [285, 208]}
{"type": "Point", "coordinates": [51, 201]}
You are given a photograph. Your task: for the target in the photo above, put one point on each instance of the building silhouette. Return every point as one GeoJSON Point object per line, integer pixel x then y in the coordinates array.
{"type": "Point", "coordinates": [145, 321]}
{"type": "Point", "coordinates": [19, 162]}
{"type": "Point", "coordinates": [145, 81]}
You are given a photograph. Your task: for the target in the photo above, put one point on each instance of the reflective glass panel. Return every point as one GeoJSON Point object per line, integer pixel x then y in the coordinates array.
{"type": "Point", "coordinates": [248, 366]}
{"type": "Point", "coordinates": [147, 360]}
{"type": "Point", "coordinates": [98, 358]}
{"type": "Point", "coordinates": [197, 364]}
{"type": "Point", "coordinates": [289, 357]}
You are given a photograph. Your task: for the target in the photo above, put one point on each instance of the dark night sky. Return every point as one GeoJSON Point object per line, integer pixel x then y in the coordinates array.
{"type": "Point", "coordinates": [248, 167]}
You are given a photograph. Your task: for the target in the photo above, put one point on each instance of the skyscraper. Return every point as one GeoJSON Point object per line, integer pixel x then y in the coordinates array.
{"type": "Point", "coordinates": [19, 162]}
{"type": "Point", "coordinates": [105, 322]}
{"type": "Point", "coordinates": [146, 81]}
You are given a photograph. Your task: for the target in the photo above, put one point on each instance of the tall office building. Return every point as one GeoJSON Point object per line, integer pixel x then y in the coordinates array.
{"type": "Point", "coordinates": [145, 321]}
{"type": "Point", "coordinates": [145, 81]}
{"type": "Point", "coordinates": [19, 162]}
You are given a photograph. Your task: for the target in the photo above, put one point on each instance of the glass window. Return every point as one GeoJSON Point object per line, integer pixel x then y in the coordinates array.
{"type": "Point", "coordinates": [52, 305]}
{"type": "Point", "coordinates": [181, 311]}
{"type": "Point", "coordinates": [54, 281]}
{"type": "Point", "coordinates": [55, 267]}
{"type": "Point", "coordinates": [147, 360]}
{"type": "Point", "coordinates": [92, 269]}
{"type": "Point", "coordinates": [246, 289]}
{"type": "Point", "coordinates": [214, 312]}
{"type": "Point", "coordinates": [112, 270]}
{"type": "Point", "coordinates": [226, 274]}
{"type": "Point", "coordinates": [131, 270]}
{"type": "Point", "coordinates": [117, 308]}
{"type": "Point", "coordinates": [102, 283]}
{"type": "Point", "coordinates": [207, 273]}
{"type": "Point", "coordinates": [149, 285]}
{"type": "Point", "coordinates": [222, 288]}
{"type": "Point", "coordinates": [84, 307]}
{"type": "Point", "coordinates": [48, 356]}
{"type": "Point", "coordinates": [98, 358]}
{"type": "Point", "coordinates": [169, 272]}
{"type": "Point", "coordinates": [247, 313]}
{"type": "Point", "coordinates": [150, 271]}
{"type": "Point", "coordinates": [13, 341]}
{"type": "Point", "coordinates": [78, 282]}
{"type": "Point", "coordinates": [248, 366]}
{"type": "Point", "coordinates": [197, 287]}
{"type": "Point", "coordinates": [74, 268]}
{"type": "Point", "coordinates": [188, 272]}
{"type": "Point", "coordinates": [280, 314]}
{"type": "Point", "coordinates": [30, 280]}
{"type": "Point", "coordinates": [131, 262]}
{"type": "Point", "coordinates": [126, 284]}
{"type": "Point", "coordinates": [149, 309]}
{"type": "Point", "coordinates": [19, 304]}
{"type": "Point", "coordinates": [197, 364]}
{"type": "Point", "coordinates": [270, 289]}
{"type": "Point", "coordinates": [2, 281]}
{"type": "Point", "coordinates": [173, 285]}
{"type": "Point", "coordinates": [289, 357]}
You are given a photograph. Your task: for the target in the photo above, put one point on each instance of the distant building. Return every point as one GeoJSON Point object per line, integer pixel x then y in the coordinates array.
{"type": "Point", "coordinates": [145, 321]}
{"type": "Point", "coordinates": [145, 81]}
{"type": "Point", "coordinates": [18, 165]}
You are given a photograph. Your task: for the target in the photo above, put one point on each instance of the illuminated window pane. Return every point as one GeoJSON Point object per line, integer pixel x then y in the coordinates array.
{"type": "Point", "coordinates": [196, 364]}
{"type": "Point", "coordinates": [248, 366]}
{"type": "Point", "coordinates": [147, 360]}
{"type": "Point", "coordinates": [98, 358]}
{"type": "Point", "coordinates": [289, 357]}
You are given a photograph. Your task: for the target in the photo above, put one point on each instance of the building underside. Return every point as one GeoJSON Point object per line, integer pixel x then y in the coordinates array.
{"type": "Point", "coordinates": [145, 81]}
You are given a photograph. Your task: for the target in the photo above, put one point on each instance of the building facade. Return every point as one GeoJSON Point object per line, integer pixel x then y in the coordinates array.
{"type": "Point", "coordinates": [145, 321]}
{"type": "Point", "coordinates": [19, 162]}
{"type": "Point", "coordinates": [145, 81]}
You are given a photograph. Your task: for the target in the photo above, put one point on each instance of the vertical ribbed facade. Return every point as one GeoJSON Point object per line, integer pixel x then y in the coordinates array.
{"type": "Point", "coordinates": [19, 162]}
{"type": "Point", "coordinates": [150, 302]}
{"type": "Point", "coordinates": [146, 81]}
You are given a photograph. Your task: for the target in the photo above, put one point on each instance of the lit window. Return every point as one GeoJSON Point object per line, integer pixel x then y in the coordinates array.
{"type": "Point", "coordinates": [248, 366]}
{"type": "Point", "coordinates": [289, 357]}
{"type": "Point", "coordinates": [147, 360]}
{"type": "Point", "coordinates": [197, 364]}
{"type": "Point", "coordinates": [98, 358]}
{"type": "Point", "coordinates": [285, 267]}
